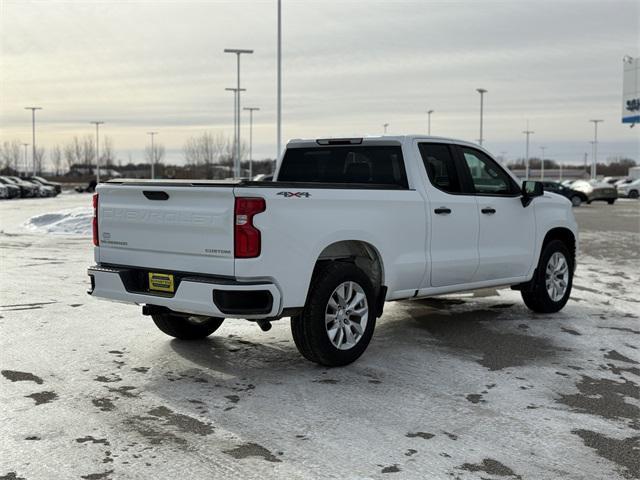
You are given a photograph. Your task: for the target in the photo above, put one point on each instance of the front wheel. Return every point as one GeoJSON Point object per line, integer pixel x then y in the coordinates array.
{"type": "Point", "coordinates": [337, 322]}
{"type": "Point", "coordinates": [186, 327]}
{"type": "Point", "coordinates": [552, 281]}
{"type": "Point", "coordinates": [634, 194]}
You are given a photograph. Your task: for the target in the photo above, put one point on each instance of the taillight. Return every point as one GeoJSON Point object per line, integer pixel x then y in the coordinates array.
{"type": "Point", "coordinates": [94, 222]}
{"type": "Point", "coordinates": [246, 235]}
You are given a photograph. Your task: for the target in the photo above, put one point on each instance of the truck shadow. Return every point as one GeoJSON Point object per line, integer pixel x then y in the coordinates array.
{"type": "Point", "coordinates": [494, 335]}
{"type": "Point", "coordinates": [491, 334]}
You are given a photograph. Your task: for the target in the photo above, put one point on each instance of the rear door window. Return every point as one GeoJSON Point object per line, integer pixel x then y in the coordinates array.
{"type": "Point", "coordinates": [380, 165]}
{"type": "Point", "coordinates": [439, 164]}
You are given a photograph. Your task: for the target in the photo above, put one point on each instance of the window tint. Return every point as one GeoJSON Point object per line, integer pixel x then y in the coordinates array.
{"type": "Point", "coordinates": [487, 177]}
{"type": "Point", "coordinates": [353, 164]}
{"type": "Point", "coordinates": [438, 162]}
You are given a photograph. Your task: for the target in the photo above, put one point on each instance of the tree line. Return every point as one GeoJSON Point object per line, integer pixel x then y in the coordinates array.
{"type": "Point", "coordinates": [207, 155]}
{"type": "Point", "coordinates": [78, 151]}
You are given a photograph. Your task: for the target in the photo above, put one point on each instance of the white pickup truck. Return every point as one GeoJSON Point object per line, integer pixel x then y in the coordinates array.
{"type": "Point", "coordinates": [346, 225]}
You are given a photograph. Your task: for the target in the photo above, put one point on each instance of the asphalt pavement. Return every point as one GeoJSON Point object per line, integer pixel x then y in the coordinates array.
{"type": "Point", "coordinates": [470, 386]}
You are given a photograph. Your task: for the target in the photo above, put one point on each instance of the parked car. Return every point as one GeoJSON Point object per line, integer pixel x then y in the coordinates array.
{"type": "Point", "coordinates": [27, 189]}
{"type": "Point", "coordinates": [57, 187]}
{"type": "Point", "coordinates": [596, 191]}
{"type": "Point", "coordinates": [610, 180]}
{"type": "Point", "coordinates": [43, 190]}
{"type": "Point", "coordinates": [12, 188]}
{"type": "Point", "coordinates": [630, 190]}
{"type": "Point", "coordinates": [576, 197]}
{"type": "Point", "coordinates": [39, 190]}
{"type": "Point", "coordinates": [346, 225]}
{"type": "Point", "coordinates": [90, 188]}
{"type": "Point", "coordinates": [623, 181]}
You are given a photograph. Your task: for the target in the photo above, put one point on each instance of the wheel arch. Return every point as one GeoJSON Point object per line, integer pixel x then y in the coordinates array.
{"type": "Point", "coordinates": [566, 236]}
{"type": "Point", "coordinates": [359, 252]}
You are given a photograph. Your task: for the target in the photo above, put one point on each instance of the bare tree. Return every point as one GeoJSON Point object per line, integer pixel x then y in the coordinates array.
{"type": "Point", "coordinates": [107, 153]}
{"type": "Point", "coordinates": [39, 160]}
{"type": "Point", "coordinates": [10, 155]}
{"type": "Point", "coordinates": [156, 154]}
{"type": "Point", "coordinates": [207, 150]}
{"type": "Point", "coordinates": [88, 150]}
{"type": "Point", "coordinates": [70, 155]}
{"type": "Point", "coordinates": [56, 159]}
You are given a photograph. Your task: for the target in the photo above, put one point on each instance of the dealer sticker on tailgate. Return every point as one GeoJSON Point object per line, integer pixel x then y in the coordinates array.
{"type": "Point", "coordinates": [161, 282]}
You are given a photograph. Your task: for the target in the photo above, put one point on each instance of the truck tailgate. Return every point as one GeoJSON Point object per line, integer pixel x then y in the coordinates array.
{"type": "Point", "coordinates": [177, 228]}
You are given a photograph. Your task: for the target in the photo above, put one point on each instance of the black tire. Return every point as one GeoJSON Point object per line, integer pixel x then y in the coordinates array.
{"type": "Point", "coordinates": [589, 202]}
{"type": "Point", "coordinates": [576, 200]}
{"type": "Point", "coordinates": [184, 328]}
{"type": "Point", "coordinates": [537, 298]}
{"type": "Point", "coordinates": [308, 328]}
{"type": "Point", "coordinates": [611, 201]}
{"type": "Point", "coordinates": [634, 194]}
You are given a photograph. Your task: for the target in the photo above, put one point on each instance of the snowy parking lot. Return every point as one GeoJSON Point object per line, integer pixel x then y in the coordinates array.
{"type": "Point", "coordinates": [464, 387]}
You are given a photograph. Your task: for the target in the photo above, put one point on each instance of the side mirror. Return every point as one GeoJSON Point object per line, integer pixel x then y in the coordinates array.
{"type": "Point", "coordinates": [530, 190]}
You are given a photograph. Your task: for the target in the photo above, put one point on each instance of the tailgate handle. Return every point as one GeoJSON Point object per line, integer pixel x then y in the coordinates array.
{"type": "Point", "coordinates": [156, 195]}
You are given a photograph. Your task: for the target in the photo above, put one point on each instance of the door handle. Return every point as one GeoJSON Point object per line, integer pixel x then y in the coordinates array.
{"type": "Point", "coordinates": [488, 210]}
{"type": "Point", "coordinates": [442, 211]}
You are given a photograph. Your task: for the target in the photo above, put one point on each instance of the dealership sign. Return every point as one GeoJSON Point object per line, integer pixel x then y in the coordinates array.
{"type": "Point", "coordinates": [631, 91]}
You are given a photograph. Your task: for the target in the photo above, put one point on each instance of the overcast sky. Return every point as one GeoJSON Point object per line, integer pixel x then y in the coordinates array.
{"type": "Point", "coordinates": [348, 67]}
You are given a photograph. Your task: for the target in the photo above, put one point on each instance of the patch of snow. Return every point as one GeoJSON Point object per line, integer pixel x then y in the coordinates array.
{"type": "Point", "coordinates": [74, 221]}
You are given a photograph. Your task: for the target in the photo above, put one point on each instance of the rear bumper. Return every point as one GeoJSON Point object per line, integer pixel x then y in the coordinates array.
{"type": "Point", "coordinates": [199, 295]}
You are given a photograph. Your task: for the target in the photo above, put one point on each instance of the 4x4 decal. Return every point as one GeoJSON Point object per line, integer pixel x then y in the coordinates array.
{"type": "Point", "coordinates": [294, 194]}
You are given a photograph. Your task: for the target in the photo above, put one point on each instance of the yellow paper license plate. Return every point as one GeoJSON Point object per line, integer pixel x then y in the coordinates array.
{"type": "Point", "coordinates": [161, 282]}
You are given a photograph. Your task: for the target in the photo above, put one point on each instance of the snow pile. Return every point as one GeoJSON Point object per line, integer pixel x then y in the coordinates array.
{"type": "Point", "coordinates": [74, 221]}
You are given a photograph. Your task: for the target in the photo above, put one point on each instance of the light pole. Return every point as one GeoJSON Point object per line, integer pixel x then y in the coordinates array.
{"type": "Point", "coordinates": [26, 165]}
{"type": "Point", "coordinates": [153, 155]}
{"type": "Point", "coordinates": [235, 122]}
{"type": "Point", "coordinates": [542, 163]}
{"type": "Point", "coordinates": [251, 110]}
{"type": "Point", "coordinates": [595, 148]}
{"type": "Point", "coordinates": [279, 87]}
{"type": "Point", "coordinates": [527, 132]}
{"type": "Point", "coordinates": [429, 112]}
{"type": "Point", "coordinates": [33, 135]}
{"type": "Point", "coordinates": [97, 124]}
{"type": "Point", "coordinates": [481, 91]}
{"type": "Point", "coordinates": [385, 126]}
{"type": "Point", "coordinates": [237, 52]}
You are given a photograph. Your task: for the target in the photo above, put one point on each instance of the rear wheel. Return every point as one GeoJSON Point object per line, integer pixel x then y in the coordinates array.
{"type": "Point", "coordinates": [576, 200]}
{"type": "Point", "coordinates": [611, 201]}
{"type": "Point", "coordinates": [338, 320]}
{"type": "Point", "coordinates": [186, 327]}
{"type": "Point", "coordinates": [552, 281]}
